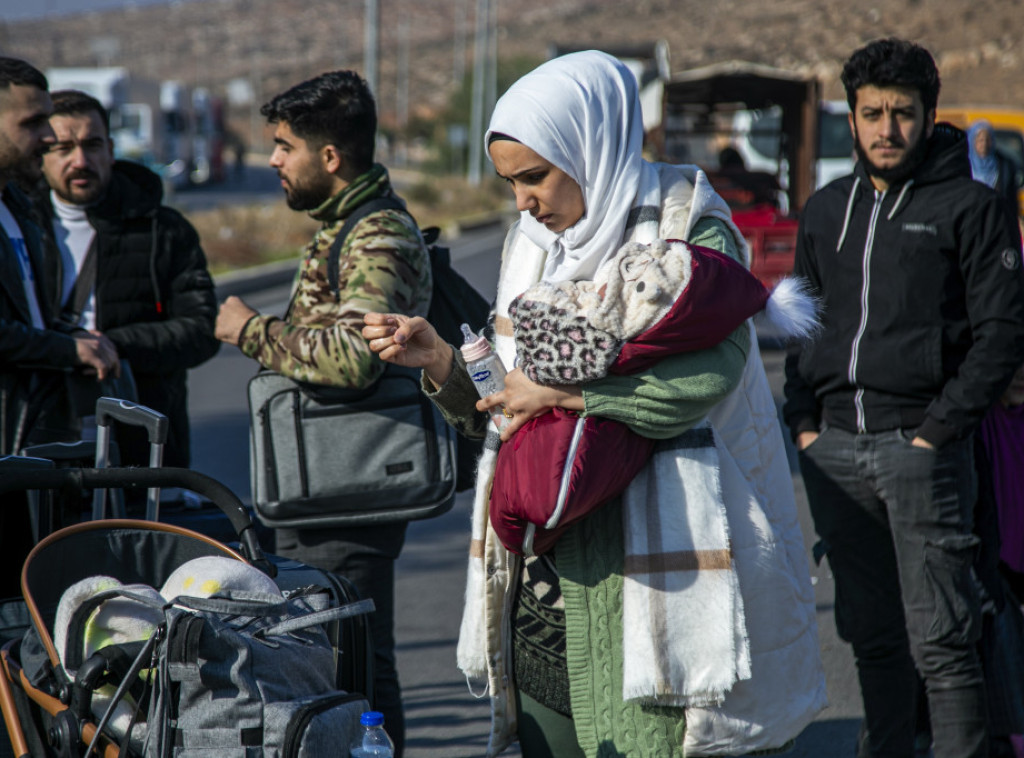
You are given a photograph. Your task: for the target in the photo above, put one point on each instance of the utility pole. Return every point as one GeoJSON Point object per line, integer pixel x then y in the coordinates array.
{"type": "Point", "coordinates": [256, 85]}
{"type": "Point", "coordinates": [371, 38]}
{"type": "Point", "coordinates": [459, 44]}
{"type": "Point", "coordinates": [491, 96]}
{"type": "Point", "coordinates": [402, 92]}
{"type": "Point", "coordinates": [476, 116]}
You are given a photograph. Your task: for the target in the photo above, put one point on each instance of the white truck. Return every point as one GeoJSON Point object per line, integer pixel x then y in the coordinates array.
{"type": "Point", "coordinates": [757, 135]}
{"type": "Point", "coordinates": [166, 126]}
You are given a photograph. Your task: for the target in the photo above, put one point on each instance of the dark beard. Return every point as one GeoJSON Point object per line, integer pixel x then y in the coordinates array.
{"type": "Point", "coordinates": [27, 173]}
{"type": "Point", "coordinates": [24, 170]}
{"type": "Point", "coordinates": [307, 197]}
{"type": "Point", "coordinates": [901, 171]}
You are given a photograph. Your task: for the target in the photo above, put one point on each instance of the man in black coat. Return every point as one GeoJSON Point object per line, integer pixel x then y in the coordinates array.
{"type": "Point", "coordinates": [146, 288]}
{"type": "Point", "coordinates": [34, 355]}
{"type": "Point", "coordinates": [918, 268]}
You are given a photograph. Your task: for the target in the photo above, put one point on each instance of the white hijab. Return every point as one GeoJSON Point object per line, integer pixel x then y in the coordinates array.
{"type": "Point", "coordinates": [581, 113]}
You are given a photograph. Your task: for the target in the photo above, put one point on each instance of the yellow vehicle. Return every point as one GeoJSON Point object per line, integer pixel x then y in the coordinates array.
{"type": "Point", "coordinates": [1008, 126]}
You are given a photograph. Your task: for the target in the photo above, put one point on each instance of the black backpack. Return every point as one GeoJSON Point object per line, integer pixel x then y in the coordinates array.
{"type": "Point", "coordinates": [453, 302]}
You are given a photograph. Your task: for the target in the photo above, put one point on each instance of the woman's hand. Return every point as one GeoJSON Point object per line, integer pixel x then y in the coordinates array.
{"type": "Point", "coordinates": [409, 341]}
{"type": "Point", "coordinates": [523, 400]}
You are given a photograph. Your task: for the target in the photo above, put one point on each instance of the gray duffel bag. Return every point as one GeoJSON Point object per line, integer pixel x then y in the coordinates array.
{"type": "Point", "coordinates": [325, 456]}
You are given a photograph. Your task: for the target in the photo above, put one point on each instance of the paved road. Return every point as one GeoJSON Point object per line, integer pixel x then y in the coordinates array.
{"type": "Point", "coordinates": [444, 719]}
{"type": "Point", "coordinates": [256, 183]}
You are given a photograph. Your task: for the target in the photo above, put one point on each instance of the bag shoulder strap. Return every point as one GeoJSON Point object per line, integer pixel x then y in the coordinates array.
{"type": "Point", "coordinates": [82, 288]}
{"type": "Point", "coordinates": [297, 623]}
{"type": "Point", "coordinates": [357, 215]}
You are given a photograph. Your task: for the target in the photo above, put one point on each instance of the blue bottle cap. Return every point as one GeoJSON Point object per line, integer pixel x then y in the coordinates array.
{"type": "Point", "coordinates": [372, 718]}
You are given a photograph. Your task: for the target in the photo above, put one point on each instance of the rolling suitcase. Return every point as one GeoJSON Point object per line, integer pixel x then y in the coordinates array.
{"type": "Point", "coordinates": [50, 510]}
{"type": "Point", "coordinates": [108, 410]}
{"type": "Point", "coordinates": [351, 637]}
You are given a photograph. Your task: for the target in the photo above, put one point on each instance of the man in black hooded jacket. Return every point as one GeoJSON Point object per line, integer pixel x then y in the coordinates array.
{"type": "Point", "coordinates": [919, 272]}
{"type": "Point", "coordinates": [150, 292]}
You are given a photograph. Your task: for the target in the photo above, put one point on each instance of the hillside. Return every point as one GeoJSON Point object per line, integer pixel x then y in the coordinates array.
{"type": "Point", "coordinates": [979, 44]}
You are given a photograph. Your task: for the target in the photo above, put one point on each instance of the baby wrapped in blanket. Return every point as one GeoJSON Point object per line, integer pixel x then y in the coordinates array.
{"type": "Point", "coordinates": [645, 303]}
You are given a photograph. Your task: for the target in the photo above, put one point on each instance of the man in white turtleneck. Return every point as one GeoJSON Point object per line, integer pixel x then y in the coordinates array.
{"type": "Point", "coordinates": [125, 266]}
{"type": "Point", "coordinates": [77, 168]}
{"type": "Point", "coordinates": [74, 235]}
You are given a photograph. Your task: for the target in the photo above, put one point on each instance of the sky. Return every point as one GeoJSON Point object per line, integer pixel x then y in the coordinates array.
{"type": "Point", "coordinates": [22, 10]}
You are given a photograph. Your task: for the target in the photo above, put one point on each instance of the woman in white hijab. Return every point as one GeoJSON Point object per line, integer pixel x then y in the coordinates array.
{"type": "Point", "coordinates": [568, 673]}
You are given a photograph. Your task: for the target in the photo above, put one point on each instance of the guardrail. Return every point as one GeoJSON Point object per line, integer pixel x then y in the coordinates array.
{"type": "Point", "coordinates": [255, 278]}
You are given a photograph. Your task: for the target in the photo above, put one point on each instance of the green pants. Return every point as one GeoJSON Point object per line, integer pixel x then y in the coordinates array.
{"type": "Point", "coordinates": [544, 733]}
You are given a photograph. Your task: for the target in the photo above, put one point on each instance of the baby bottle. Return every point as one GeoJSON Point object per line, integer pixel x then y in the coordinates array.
{"type": "Point", "coordinates": [485, 369]}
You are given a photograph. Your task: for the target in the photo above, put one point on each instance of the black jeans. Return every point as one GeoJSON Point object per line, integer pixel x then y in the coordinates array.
{"type": "Point", "coordinates": [365, 556]}
{"type": "Point", "coordinates": [896, 520]}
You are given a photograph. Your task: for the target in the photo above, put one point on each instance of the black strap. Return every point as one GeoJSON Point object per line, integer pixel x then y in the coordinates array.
{"type": "Point", "coordinates": [145, 656]}
{"type": "Point", "coordinates": [357, 215]}
{"type": "Point", "coordinates": [120, 658]}
{"type": "Point", "coordinates": [250, 736]}
{"type": "Point", "coordinates": [84, 283]}
{"type": "Point", "coordinates": [141, 707]}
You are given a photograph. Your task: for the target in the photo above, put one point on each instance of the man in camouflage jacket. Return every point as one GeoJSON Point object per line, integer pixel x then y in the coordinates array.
{"type": "Point", "coordinates": [324, 139]}
{"type": "Point", "coordinates": [384, 264]}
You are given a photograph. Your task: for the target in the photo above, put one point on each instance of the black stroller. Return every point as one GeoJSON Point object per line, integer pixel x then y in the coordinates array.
{"type": "Point", "coordinates": [46, 712]}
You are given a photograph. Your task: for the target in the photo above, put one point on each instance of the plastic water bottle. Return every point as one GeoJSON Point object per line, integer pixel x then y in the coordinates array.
{"type": "Point", "coordinates": [373, 741]}
{"type": "Point", "coordinates": [485, 369]}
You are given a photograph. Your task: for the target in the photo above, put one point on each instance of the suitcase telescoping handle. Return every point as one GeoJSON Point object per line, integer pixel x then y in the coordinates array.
{"type": "Point", "coordinates": [155, 423]}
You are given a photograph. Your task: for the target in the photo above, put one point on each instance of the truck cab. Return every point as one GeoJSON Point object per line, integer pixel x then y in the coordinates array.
{"type": "Point", "coordinates": [702, 111]}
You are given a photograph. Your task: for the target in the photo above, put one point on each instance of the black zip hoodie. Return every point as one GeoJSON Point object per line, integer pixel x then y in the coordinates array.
{"type": "Point", "coordinates": [923, 301]}
{"type": "Point", "coordinates": [154, 296]}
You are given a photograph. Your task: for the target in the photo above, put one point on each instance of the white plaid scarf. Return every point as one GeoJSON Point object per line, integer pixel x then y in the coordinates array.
{"type": "Point", "coordinates": [684, 627]}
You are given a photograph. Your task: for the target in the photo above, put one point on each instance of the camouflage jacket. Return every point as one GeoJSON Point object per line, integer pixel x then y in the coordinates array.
{"type": "Point", "coordinates": [384, 267]}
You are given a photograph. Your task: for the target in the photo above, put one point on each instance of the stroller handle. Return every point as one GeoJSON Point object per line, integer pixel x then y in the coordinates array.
{"type": "Point", "coordinates": [15, 480]}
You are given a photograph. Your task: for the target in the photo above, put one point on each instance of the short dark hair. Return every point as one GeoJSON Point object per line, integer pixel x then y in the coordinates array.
{"type": "Point", "coordinates": [73, 102]}
{"type": "Point", "coordinates": [892, 62]}
{"type": "Point", "coordinates": [498, 137]}
{"type": "Point", "coordinates": [17, 71]}
{"type": "Point", "coordinates": [336, 108]}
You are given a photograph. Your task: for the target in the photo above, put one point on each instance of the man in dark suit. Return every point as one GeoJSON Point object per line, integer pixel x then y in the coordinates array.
{"type": "Point", "coordinates": [32, 352]}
